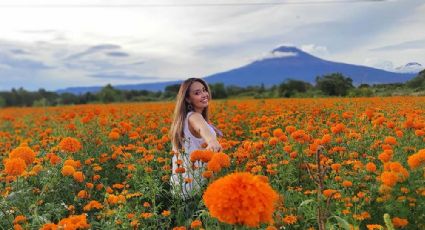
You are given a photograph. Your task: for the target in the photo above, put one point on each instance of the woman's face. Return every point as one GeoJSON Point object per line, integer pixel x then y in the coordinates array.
{"type": "Point", "coordinates": [198, 96]}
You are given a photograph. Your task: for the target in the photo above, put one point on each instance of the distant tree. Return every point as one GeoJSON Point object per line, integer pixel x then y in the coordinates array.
{"type": "Point", "coordinates": [418, 81]}
{"type": "Point", "coordinates": [218, 90]}
{"type": "Point", "coordinates": [108, 94]}
{"type": "Point", "coordinates": [68, 99]}
{"type": "Point", "coordinates": [171, 91]}
{"type": "Point", "coordinates": [334, 84]}
{"type": "Point", "coordinates": [233, 90]}
{"type": "Point", "coordinates": [2, 102]}
{"type": "Point", "coordinates": [262, 88]}
{"type": "Point", "coordinates": [40, 102]}
{"type": "Point", "coordinates": [88, 97]}
{"type": "Point", "coordinates": [289, 87]}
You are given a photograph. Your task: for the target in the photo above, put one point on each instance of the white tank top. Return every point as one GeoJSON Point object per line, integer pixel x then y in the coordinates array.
{"type": "Point", "coordinates": [191, 142]}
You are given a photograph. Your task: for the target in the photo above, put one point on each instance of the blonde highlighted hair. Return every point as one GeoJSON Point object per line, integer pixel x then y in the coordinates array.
{"type": "Point", "coordinates": [181, 110]}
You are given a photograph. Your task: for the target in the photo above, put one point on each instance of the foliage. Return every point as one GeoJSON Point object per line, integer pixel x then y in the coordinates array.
{"type": "Point", "coordinates": [109, 166]}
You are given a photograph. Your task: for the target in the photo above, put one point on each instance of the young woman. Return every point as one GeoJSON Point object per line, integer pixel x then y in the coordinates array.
{"type": "Point", "coordinates": [190, 131]}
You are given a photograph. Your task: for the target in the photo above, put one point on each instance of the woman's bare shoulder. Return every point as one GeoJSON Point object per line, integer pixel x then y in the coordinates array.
{"type": "Point", "coordinates": [196, 118]}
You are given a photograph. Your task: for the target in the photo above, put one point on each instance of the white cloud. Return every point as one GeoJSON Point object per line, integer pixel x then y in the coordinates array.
{"type": "Point", "coordinates": [178, 42]}
{"type": "Point", "coordinates": [379, 64]}
{"type": "Point", "coordinates": [316, 50]}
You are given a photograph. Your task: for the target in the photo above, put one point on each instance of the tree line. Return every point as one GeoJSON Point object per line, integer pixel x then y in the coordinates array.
{"type": "Point", "coordinates": [335, 84]}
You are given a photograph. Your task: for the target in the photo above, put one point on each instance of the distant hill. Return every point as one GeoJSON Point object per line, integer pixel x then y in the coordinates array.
{"type": "Point", "coordinates": [283, 63]}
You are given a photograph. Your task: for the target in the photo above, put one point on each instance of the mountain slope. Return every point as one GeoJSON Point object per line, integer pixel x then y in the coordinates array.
{"type": "Point", "coordinates": [291, 62]}
{"type": "Point", "coordinates": [284, 63]}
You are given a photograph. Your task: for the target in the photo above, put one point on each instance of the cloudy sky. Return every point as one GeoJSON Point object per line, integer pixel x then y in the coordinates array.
{"type": "Point", "coordinates": [54, 44]}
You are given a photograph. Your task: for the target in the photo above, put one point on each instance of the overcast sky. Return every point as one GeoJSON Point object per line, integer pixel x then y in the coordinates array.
{"type": "Point", "coordinates": [62, 43]}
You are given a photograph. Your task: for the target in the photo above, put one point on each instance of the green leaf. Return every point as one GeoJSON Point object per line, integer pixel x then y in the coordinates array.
{"type": "Point", "coordinates": [343, 223]}
{"type": "Point", "coordinates": [305, 202]}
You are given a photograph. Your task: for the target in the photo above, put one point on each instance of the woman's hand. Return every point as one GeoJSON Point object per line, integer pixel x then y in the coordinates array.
{"type": "Point", "coordinates": [214, 146]}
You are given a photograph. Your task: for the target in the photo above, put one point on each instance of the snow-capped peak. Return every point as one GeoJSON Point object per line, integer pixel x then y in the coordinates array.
{"type": "Point", "coordinates": [411, 67]}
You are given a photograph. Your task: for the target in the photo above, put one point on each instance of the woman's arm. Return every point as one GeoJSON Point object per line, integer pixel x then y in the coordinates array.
{"type": "Point", "coordinates": [201, 126]}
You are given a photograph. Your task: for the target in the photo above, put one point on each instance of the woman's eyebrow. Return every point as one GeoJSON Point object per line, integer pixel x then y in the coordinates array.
{"type": "Point", "coordinates": [198, 89]}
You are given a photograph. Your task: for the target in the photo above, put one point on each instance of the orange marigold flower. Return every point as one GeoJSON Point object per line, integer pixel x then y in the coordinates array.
{"type": "Point", "coordinates": [374, 227]}
{"type": "Point", "coordinates": [338, 128]}
{"type": "Point", "coordinates": [23, 152]}
{"type": "Point", "coordinates": [329, 192]}
{"type": "Point", "coordinates": [70, 162]}
{"type": "Point", "coordinates": [202, 155]}
{"type": "Point", "coordinates": [390, 140]}
{"type": "Point", "coordinates": [273, 141]}
{"type": "Point", "coordinates": [265, 135]}
{"type": "Point", "coordinates": [179, 228]}
{"type": "Point", "coordinates": [336, 167]}
{"type": "Point", "coordinates": [68, 170]}
{"type": "Point", "coordinates": [70, 145]}
{"type": "Point", "coordinates": [289, 219]}
{"type": "Point", "coordinates": [118, 186]}
{"type": "Point", "coordinates": [82, 194]}
{"type": "Point", "coordinates": [347, 183]}
{"type": "Point", "coordinates": [419, 133]}
{"type": "Point", "coordinates": [49, 226]}
{"type": "Point", "coordinates": [399, 222]}
{"type": "Point", "coordinates": [93, 205]}
{"type": "Point", "coordinates": [196, 224]}
{"type": "Point", "coordinates": [207, 174]}
{"type": "Point", "coordinates": [370, 167]}
{"type": "Point", "coordinates": [180, 170]}
{"type": "Point", "coordinates": [165, 213]}
{"type": "Point", "coordinates": [214, 166]}
{"type": "Point", "coordinates": [146, 204]}
{"type": "Point", "coordinates": [78, 176]}
{"type": "Point", "coordinates": [19, 219]}
{"type": "Point", "coordinates": [417, 159]}
{"type": "Point", "coordinates": [113, 135]}
{"type": "Point", "coordinates": [74, 222]}
{"type": "Point", "coordinates": [271, 228]}
{"type": "Point", "coordinates": [146, 215]}
{"type": "Point", "coordinates": [389, 178]}
{"type": "Point", "coordinates": [241, 198]}
{"type": "Point", "coordinates": [326, 139]}
{"type": "Point", "coordinates": [290, 129]}
{"type": "Point", "coordinates": [53, 158]}
{"type": "Point", "coordinates": [385, 156]}
{"type": "Point", "coordinates": [278, 132]}
{"type": "Point", "coordinates": [222, 158]}
{"type": "Point", "coordinates": [15, 166]}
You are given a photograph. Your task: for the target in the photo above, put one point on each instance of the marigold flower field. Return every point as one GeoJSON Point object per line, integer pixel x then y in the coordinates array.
{"type": "Point", "coordinates": [334, 163]}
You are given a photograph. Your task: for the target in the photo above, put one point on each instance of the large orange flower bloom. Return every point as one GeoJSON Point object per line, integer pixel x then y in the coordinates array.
{"type": "Point", "coordinates": [417, 159]}
{"type": "Point", "coordinates": [74, 222]}
{"type": "Point", "coordinates": [389, 178]}
{"type": "Point", "coordinates": [241, 198]}
{"type": "Point", "coordinates": [68, 170]}
{"type": "Point", "coordinates": [93, 205]}
{"type": "Point", "coordinates": [23, 152]}
{"type": "Point", "coordinates": [399, 222]}
{"type": "Point", "coordinates": [202, 155]}
{"type": "Point", "coordinates": [15, 166]}
{"type": "Point", "coordinates": [70, 145]}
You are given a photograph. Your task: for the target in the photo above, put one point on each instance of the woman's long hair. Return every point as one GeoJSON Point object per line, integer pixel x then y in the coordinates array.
{"type": "Point", "coordinates": [181, 110]}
